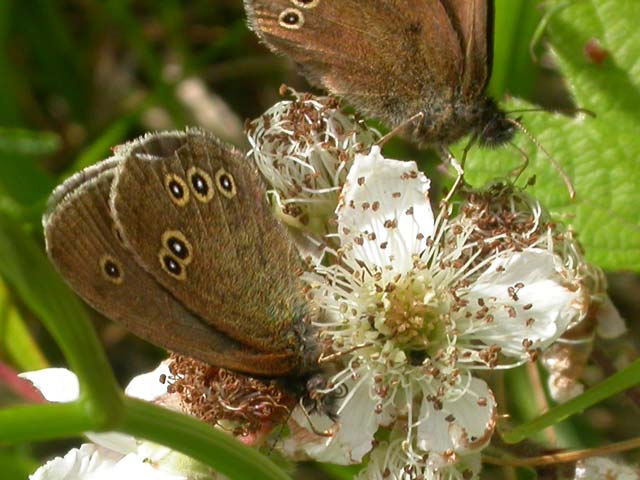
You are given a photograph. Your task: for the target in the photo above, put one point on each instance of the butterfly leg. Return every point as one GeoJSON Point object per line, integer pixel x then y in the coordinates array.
{"type": "Point", "coordinates": [516, 172]}
{"type": "Point", "coordinates": [396, 130]}
{"type": "Point", "coordinates": [321, 433]}
{"type": "Point", "coordinates": [458, 167]}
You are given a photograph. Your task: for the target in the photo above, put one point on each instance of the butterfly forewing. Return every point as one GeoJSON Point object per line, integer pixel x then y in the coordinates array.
{"type": "Point", "coordinates": [86, 246]}
{"type": "Point", "coordinates": [384, 57]}
{"type": "Point", "coordinates": [194, 212]}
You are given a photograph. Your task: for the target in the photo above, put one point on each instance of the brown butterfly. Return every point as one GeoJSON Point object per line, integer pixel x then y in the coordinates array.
{"type": "Point", "coordinates": [395, 59]}
{"type": "Point", "coordinates": [172, 237]}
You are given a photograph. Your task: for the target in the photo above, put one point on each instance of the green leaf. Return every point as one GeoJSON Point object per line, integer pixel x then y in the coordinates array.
{"type": "Point", "coordinates": [600, 154]}
{"type": "Point", "coordinates": [513, 68]}
{"type": "Point", "coordinates": [14, 464]}
{"type": "Point", "coordinates": [21, 178]}
{"type": "Point", "coordinates": [18, 141]}
{"type": "Point", "coordinates": [15, 338]}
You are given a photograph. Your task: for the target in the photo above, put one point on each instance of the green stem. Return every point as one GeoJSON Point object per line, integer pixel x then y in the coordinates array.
{"type": "Point", "coordinates": [27, 423]}
{"type": "Point", "coordinates": [613, 385]}
{"type": "Point", "coordinates": [198, 440]}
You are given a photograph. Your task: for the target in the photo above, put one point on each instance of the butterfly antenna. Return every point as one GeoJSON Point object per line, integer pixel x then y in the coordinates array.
{"type": "Point", "coordinates": [586, 111]}
{"type": "Point", "coordinates": [516, 172]}
{"type": "Point", "coordinates": [554, 162]}
{"type": "Point", "coordinates": [396, 130]}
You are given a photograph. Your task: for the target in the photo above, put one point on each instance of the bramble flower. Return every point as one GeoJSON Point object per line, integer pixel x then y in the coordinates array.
{"type": "Point", "coordinates": [508, 218]}
{"type": "Point", "coordinates": [304, 148]}
{"type": "Point", "coordinates": [414, 306]}
{"type": "Point", "coordinates": [94, 462]}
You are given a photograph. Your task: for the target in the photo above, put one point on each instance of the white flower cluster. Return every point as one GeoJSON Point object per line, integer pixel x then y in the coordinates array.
{"type": "Point", "coordinates": [416, 307]}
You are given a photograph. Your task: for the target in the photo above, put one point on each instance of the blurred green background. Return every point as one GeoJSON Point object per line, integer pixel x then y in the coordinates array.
{"type": "Point", "coordinates": [78, 77]}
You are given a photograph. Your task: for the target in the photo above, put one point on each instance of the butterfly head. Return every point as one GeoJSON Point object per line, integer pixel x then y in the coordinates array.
{"type": "Point", "coordinates": [496, 128]}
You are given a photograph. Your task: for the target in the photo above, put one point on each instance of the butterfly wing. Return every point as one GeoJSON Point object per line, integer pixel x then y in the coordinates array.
{"type": "Point", "coordinates": [194, 212]}
{"type": "Point", "coordinates": [84, 244]}
{"type": "Point", "coordinates": [473, 20]}
{"type": "Point", "coordinates": [389, 59]}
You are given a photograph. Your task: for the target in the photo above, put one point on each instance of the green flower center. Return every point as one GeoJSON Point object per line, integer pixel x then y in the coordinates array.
{"type": "Point", "coordinates": [413, 316]}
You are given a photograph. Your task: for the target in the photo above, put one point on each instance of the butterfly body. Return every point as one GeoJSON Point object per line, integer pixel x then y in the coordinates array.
{"type": "Point", "coordinates": [395, 59]}
{"type": "Point", "coordinates": [482, 119]}
{"type": "Point", "coordinates": [172, 237]}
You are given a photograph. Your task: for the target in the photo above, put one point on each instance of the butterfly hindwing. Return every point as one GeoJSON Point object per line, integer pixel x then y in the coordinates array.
{"type": "Point", "coordinates": [194, 212]}
{"type": "Point", "coordinates": [86, 247]}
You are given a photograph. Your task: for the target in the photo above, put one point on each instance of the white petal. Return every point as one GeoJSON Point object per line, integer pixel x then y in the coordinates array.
{"type": "Point", "coordinates": [377, 466]}
{"type": "Point", "coordinates": [154, 452]}
{"type": "Point", "coordinates": [61, 385]}
{"type": "Point", "coordinates": [85, 462]}
{"type": "Point", "coordinates": [610, 323]}
{"type": "Point", "coordinates": [55, 384]}
{"type": "Point", "coordinates": [544, 298]}
{"type": "Point", "coordinates": [385, 209]}
{"type": "Point", "coordinates": [170, 461]}
{"type": "Point", "coordinates": [118, 442]}
{"type": "Point", "coordinates": [354, 429]}
{"type": "Point", "coordinates": [91, 462]}
{"type": "Point", "coordinates": [388, 462]}
{"type": "Point", "coordinates": [462, 425]}
{"type": "Point", "coordinates": [147, 386]}
{"type": "Point", "coordinates": [135, 467]}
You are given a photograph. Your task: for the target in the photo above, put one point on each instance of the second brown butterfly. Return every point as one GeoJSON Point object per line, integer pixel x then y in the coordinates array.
{"type": "Point", "coordinates": [395, 59]}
